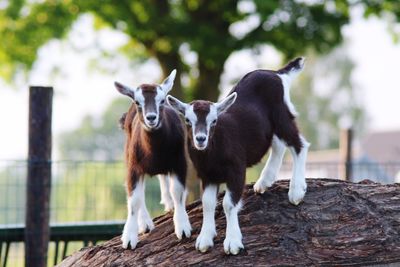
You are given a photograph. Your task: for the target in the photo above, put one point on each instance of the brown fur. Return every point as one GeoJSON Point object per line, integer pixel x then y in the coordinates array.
{"type": "Point", "coordinates": [159, 151]}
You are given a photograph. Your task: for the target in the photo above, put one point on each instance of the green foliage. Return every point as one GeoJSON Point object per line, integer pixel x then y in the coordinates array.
{"type": "Point", "coordinates": [162, 27]}
{"type": "Point", "coordinates": [25, 27]}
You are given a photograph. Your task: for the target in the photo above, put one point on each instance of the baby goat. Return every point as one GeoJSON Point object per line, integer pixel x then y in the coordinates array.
{"type": "Point", "coordinates": [226, 138]}
{"type": "Point", "coordinates": [166, 198]}
{"type": "Point", "coordinates": [155, 144]}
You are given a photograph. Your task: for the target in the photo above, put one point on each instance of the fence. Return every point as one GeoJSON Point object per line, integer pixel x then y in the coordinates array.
{"type": "Point", "coordinates": [88, 201]}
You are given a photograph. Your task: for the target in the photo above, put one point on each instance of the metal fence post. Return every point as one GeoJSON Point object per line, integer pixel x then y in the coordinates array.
{"type": "Point", "coordinates": [37, 229]}
{"type": "Point", "coordinates": [346, 138]}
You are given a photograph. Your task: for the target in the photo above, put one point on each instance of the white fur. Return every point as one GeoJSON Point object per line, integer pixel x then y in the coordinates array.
{"type": "Point", "coordinates": [166, 198]}
{"type": "Point", "coordinates": [287, 79]}
{"type": "Point", "coordinates": [144, 219]}
{"type": "Point", "coordinates": [151, 125]}
{"type": "Point", "coordinates": [130, 232]}
{"type": "Point", "coordinates": [211, 116]}
{"type": "Point", "coordinates": [225, 103]}
{"type": "Point", "coordinates": [139, 97]}
{"type": "Point", "coordinates": [233, 240]}
{"type": "Point", "coordinates": [192, 117]}
{"type": "Point", "coordinates": [168, 83]}
{"type": "Point", "coordinates": [298, 185]}
{"type": "Point", "coordinates": [162, 91]}
{"type": "Point", "coordinates": [205, 239]}
{"type": "Point", "coordinates": [271, 168]}
{"type": "Point", "coordinates": [181, 219]}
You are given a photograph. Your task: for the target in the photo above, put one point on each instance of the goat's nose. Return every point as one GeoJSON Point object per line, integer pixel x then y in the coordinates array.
{"type": "Point", "coordinates": [151, 117]}
{"type": "Point", "coordinates": [201, 138]}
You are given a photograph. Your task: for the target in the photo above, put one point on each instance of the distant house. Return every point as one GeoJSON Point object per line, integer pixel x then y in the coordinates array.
{"type": "Point", "coordinates": [377, 158]}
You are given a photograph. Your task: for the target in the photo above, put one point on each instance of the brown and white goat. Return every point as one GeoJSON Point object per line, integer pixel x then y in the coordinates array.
{"type": "Point", "coordinates": [155, 144]}
{"type": "Point", "coordinates": [235, 133]}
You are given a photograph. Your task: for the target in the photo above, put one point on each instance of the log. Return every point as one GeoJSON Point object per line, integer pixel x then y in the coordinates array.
{"type": "Point", "coordinates": [339, 224]}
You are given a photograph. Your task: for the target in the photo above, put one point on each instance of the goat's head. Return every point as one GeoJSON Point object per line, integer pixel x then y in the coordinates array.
{"type": "Point", "coordinates": [149, 100]}
{"type": "Point", "coordinates": [201, 117]}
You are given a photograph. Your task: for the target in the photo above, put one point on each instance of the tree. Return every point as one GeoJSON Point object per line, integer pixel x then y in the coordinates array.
{"type": "Point", "coordinates": [164, 29]}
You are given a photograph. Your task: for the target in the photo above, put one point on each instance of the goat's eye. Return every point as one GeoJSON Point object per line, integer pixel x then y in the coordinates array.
{"type": "Point", "coordinates": [214, 122]}
{"type": "Point", "coordinates": [188, 121]}
{"type": "Point", "coordinates": [137, 103]}
{"type": "Point", "coordinates": [162, 102]}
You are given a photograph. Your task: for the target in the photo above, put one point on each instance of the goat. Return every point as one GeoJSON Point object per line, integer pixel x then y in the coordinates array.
{"type": "Point", "coordinates": [166, 198]}
{"type": "Point", "coordinates": [155, 144]}
{"type": "Point", "coordinates": [228, 136]}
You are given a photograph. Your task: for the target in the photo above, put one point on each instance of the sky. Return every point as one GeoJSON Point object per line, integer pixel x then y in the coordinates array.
{"type": "Point", "coordinates": [82, 90]}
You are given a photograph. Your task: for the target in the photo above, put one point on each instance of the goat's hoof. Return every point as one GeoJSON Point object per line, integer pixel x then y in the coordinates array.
{"type": "Point", "coordinates": [296, 195]}
{"type": "Point", "coordinates": [182, 226]}
{"type": "Point", "coordinates": [146, 225]}
{"type": "Point", "coordinates": [233, 245]}
{"type": "Point", "coordinates": [184, 233]}
{"type": "Point", "coordinates": [145, 230]}
{"type": "Point", "coordinates": [129, 239]}
{"type": "Point", "coordinates": [204, 242]}
{"type": "Point", "coordinates": [261, 186]}
{"type": "Point", "coordinates": [168, 204]}
{"type": "Point", "coordinates": [258, 188]}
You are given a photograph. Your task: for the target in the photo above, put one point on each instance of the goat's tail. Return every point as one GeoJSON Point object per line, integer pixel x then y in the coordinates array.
{"type": "Point", "coordinates": [121, 121]}
{"type": "Point", "coordinates": [293, 67]}
{"type": "Point", "coordinates": [287, 75]}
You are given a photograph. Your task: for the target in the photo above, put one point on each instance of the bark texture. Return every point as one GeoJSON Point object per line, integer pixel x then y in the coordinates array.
{"type": "Point", "coordinates": [338, 224]}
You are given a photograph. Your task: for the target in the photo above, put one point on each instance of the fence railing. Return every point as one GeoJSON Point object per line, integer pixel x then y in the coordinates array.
{"type": "Point", "coordinates": [88, 200]}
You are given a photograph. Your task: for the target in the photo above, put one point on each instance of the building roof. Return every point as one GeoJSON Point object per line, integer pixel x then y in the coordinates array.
{"type": "Point", "coordinates": [382, 146]}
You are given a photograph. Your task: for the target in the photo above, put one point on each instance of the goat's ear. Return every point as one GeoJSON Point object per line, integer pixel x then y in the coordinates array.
{"type": "Point", "coordinates": [125, 90]}
{"type": "Point", "coordinates": [167, 84]}
{"type": "Point", "coordinates": [224, 104]}
{"type": "Point", "coordinates": [176, 104]}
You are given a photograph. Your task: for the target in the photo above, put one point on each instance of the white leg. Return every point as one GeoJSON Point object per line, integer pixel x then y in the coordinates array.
{"type": "Point", "coordinates": [205, 239]}
{"type": "Point", "coordinates": [233, 239]}
{"type": "Point", "coordinates": [181, 219]}
{"type": "Point", "coordinates": [130, 233]}
{"type": "Point", "coordinates": [298, 185]}
{"type": "Point", "coordinates": [144, 219]}
{"type": "Point", "coordinates": [271, 168]}
{"type": "Point", "coordinates": [166, 199]}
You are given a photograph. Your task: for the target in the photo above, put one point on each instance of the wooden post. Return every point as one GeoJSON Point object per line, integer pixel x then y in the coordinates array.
{"type": "Point", "coordinates": [37, 229]}
{"type": "Point", "coordinates": [345, 147]}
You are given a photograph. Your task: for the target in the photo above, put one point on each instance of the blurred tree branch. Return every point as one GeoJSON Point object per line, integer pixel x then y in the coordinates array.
{"type": "Point", "coordinates": [162, 26]}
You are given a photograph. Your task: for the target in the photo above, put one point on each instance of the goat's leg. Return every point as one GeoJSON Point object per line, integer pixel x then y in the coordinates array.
{"type": "Point", "coordinates": [233, 238]}
{"type": "Point", "coordinates": [286, 129]}
{"type": "Point", "coordinates": [232, 205]}
{"type": "Point", "coordinates": [130, 232]}
{"type": "Point", "coordinates": [209, 199]}
{"type": "Point", "coordinates": [181, 219]}
{"type": "Point", "coordinates": [271, 168]}
{"type": "Point", "coordinates": [166, 198]}
{"type": "Point", "coordinates": [144, 220]}
{"type": "Point", "coordinates": [298, 185]}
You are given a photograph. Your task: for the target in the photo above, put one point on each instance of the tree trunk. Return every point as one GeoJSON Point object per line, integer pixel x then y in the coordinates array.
{"type": "Point", "coordinates": [338, 224]}
{"type": "Point", "coordinates": [208, 82]}
{"type": "Point", "coordinates": [168, 62]}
